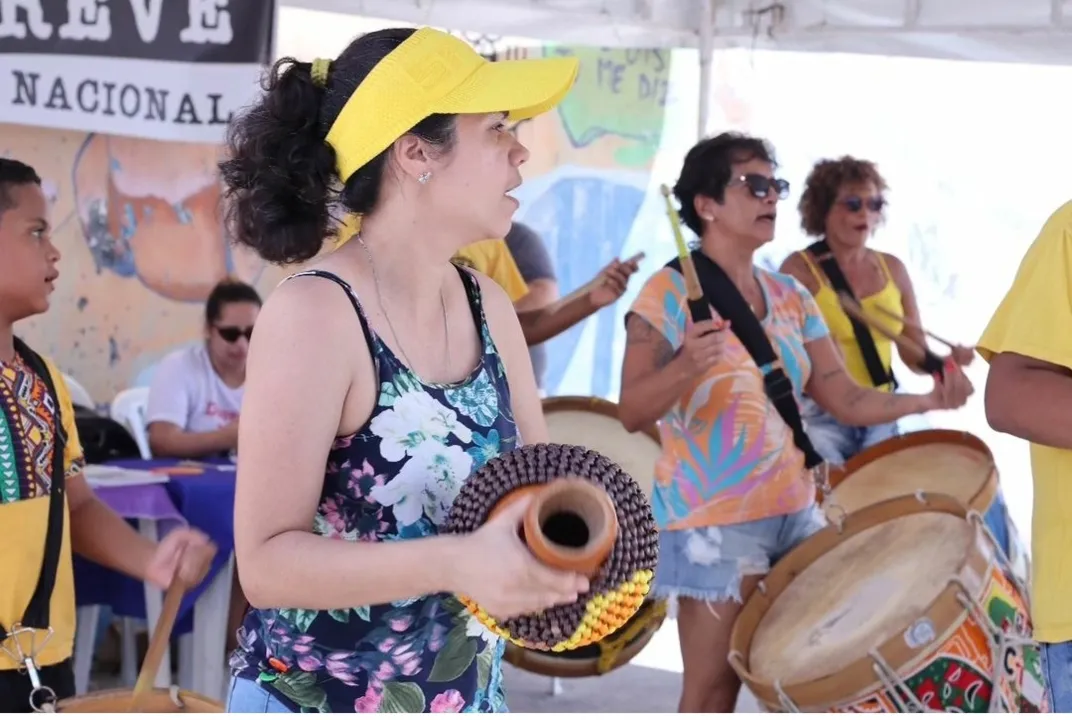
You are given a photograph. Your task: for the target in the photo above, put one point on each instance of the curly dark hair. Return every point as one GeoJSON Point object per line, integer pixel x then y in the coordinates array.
{"type": "Point", "coordinates": [707, 167]}
{"type": "Point", "coordinates": [823, 184]}
{"type": "Point", "coordinates": [280, 180]}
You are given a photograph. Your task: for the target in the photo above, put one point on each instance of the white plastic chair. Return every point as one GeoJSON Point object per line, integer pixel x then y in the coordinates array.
{"type": "Point", "coordinates": [78, 392]}
{"type": "Point", "coordinates": [128, 409]}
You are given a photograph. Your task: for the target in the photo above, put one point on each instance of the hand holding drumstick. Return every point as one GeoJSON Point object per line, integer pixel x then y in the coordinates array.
{"type": "Point", "coordinates": [962, 355]}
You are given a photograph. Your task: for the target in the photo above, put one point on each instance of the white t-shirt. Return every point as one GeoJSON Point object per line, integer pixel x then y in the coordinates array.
{"type": "Point", "coordinates": [186, 391]}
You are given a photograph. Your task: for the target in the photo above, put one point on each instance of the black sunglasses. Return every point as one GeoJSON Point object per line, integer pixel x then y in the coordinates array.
{"type": "Point", "coordinates": [761, 186]}
{"type": "Point", "coordinates": [231, 334]}
{"type": "Point", "coordinates": [854, 203]}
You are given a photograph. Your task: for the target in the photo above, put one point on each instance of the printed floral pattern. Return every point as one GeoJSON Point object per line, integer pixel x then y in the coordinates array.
{"type": "Point", "coordinates": [395, 479]}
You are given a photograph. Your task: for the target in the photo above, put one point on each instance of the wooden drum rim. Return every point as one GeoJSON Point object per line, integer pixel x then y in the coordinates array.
{"type": "Point", "coordinates": [597, 405]}
{"type": "Point", "coordinates": [857, 679]}
{"type": "Point", "coordinates": [980, 501]}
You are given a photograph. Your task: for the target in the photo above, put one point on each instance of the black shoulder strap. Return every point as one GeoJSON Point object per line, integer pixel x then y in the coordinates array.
{"type": "Point", "coordinates": [38, 610]}
{"type": "Point", "coordinates": [864, 339]}
{"type": "Point", "coordinates": [731, 305]}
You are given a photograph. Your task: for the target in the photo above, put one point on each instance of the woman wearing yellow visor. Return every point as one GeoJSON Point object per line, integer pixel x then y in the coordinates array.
{"type": "Point", "coordinates": [381, 377]}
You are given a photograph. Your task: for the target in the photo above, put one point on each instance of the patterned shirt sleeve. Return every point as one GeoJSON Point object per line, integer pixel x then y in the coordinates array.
{"type": "Point", "coordinates": [661, 302]}
{"type": "Point", "coordinates": [813, 326]}
{"type": "Point", "coordinates": [73, 457]}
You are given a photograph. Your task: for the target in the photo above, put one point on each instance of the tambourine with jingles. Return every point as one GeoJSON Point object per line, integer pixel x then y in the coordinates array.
{"type": "Point", "coordinates": [587, 515]}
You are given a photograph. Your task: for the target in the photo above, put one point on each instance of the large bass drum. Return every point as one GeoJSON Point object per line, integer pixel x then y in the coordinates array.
{"type": "Point", "coordinates": [593, 423]}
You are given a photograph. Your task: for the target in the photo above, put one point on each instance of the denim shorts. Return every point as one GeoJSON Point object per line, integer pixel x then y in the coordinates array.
{"type": "Point", "coordinates": [1057, 675]}
{"type": "Point", "coordinates": [837, 443]}
{"type": "Point", "coordinates": [710, 563]}
{"type": "Point", "coordinates": [246, 696]}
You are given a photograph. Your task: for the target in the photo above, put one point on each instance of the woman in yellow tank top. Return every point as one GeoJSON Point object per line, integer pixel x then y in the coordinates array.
{"type": "Point", "coordinates": [841, 206]}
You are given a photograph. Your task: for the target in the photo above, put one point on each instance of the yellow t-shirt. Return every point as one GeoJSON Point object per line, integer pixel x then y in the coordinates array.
{"type": "Point", "coordinates": [493, 258]}
{"type": "Point", "coordinates": [1035, 319]}
{"type": "Point", "coordinates": [25, 482]}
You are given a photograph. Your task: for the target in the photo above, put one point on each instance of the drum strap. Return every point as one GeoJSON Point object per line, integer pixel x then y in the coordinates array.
{"type": "Point", "coordinates": [727, 300]}
{"type": "Point", "coordinates": [38, 610]}
{"type": "Point", "coordinates": [864, 339]}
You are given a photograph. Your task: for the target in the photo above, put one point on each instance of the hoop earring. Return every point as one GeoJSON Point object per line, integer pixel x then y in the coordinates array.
{"type": "Point", "coordinates": [424, 177]}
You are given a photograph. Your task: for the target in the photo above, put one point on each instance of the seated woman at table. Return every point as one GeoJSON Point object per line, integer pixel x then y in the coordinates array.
{"type": "Point", "coordinates": [841, 207]}
{"type": "Point", "coordinates": [196, 392]}
{"type": "Point", "coordinates": [381, 378]}
{"type": "Point", "coordinates": [44, 465]}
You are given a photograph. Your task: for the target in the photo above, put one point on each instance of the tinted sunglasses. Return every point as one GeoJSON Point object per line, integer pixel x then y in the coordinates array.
{"type": "Point", "coordinates": [231, 334]}
{"type": "Point", "coordinates": [761, 186]}
{"type": "Point", "coordinates": [854, 203]}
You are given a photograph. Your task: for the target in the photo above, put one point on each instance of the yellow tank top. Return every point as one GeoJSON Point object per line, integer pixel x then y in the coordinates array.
{"type": "Point", "coordinates": [888, 298]}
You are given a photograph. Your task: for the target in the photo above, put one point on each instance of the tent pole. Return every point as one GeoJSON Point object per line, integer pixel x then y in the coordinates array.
{"type": "Point", "coordinates": [706, 50]}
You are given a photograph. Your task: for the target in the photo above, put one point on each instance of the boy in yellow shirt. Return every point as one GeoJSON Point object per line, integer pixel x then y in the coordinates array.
{"type": "Point", "coordinates": [46, 508]}
{"type": "Point", "coordinates": [1028, 344]}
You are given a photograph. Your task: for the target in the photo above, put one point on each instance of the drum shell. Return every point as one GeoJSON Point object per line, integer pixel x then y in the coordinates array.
{"type": "Point", "coordinates": [983, 496]}
{"type": "Point", "coordinates": [158, 700]}
{"type": "Point", "coordinates": [856, 687]}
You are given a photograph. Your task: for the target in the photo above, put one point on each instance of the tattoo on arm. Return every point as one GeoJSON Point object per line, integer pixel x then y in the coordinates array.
{"type": "Point", "coordinates": [641, 332]}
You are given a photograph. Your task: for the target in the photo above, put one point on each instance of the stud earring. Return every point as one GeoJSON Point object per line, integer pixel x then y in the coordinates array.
{"type": "Point", "coordinates": [424, 177]}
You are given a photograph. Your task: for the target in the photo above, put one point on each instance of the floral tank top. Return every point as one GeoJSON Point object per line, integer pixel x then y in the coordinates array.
{"type": "Point", "coordinates": [393, 480]}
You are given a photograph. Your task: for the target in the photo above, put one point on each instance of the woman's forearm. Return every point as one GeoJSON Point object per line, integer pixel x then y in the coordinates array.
{"type": "Point", "coordinates": [100, 535]}
{"type": "Point", "coordinates": [301, 570]}
{"type": "Point", "coordinates": [645, 400]}
{"type": "Point", "coordinates": [861, 406]}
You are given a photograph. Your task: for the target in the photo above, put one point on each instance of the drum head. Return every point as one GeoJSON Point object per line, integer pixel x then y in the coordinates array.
{"type": "Point", "coordinates": [864, 591]}
{"type": "Point", "coordinates": [934, 461]}
{"type": "Point", "coordinates": [593, 423]}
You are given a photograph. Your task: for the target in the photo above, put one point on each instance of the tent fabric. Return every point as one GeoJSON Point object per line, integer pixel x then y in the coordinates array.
{"type": "Point", "coordinates": [1029, 31]}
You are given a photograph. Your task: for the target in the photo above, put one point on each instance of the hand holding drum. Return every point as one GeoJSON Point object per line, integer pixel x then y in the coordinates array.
{"type": "Point", "coordinates": [502, 575]}
{"type": "Point", "coordinates": [563, 546]}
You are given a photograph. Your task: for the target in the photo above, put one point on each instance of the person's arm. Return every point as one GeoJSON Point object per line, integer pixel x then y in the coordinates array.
{"type": "Point", "coordinates": [513, 349]}
{"type": "Point", "coordinates": [833, 389]}
{"type": "Point", "coordinates": [281, 562]}
{"type": "Point", "coordinates": [101, 535]}
{"type": "Point", "coordinates": [1029, 346]}
{"type": "Point", "coordinates": [541, 293]}
{"type": "Point", "coordinates": [167, 412]}
{"type": "Point", "coordinates": [1030, 399]}
{"type": "Point", "coordinates": [654, 376]}
{"type": "Point", "coordinates": [610, 284]}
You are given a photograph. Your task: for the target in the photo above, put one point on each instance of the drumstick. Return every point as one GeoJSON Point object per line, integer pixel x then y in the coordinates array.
{"type": "Point", "coordinates": [698, 307]}
{"type": "Point", "coordinates": [931, 362]}
{"type": "Point", "coordinates": [915, 325]}
{"type": "Point", "coordinates": [158, 643]}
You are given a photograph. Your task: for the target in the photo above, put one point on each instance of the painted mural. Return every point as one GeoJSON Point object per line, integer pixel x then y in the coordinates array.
{"type": "Point", "coordinates": [138, 227]}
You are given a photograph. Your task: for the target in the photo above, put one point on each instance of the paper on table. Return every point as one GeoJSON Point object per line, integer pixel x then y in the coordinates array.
{"type": "Point", "coordinates": [111, 476]}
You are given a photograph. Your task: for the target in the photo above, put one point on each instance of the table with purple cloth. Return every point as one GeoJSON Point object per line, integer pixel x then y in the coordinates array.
{"type": "Point", "coordinates": [204, 501]}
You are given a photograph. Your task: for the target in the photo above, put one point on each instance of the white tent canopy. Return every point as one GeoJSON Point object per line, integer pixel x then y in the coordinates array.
{"type": "Point", "coordinates": [1030, 31]}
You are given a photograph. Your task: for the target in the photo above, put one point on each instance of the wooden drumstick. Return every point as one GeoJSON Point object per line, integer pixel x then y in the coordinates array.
{"type": "Point", "coordinates": [930, 363]}
{"type": "Point", "coordinates": [916, 326]}
{"type": "Point", "coordinates": [698, 307]}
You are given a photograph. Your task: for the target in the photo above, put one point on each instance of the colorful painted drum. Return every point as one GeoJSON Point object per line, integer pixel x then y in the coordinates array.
{"type": "Point", "coordinates": [593, 422]}
{"type": "Point", "coordinates": [901, 606]}
{"type": "Point", "coordinates": [941, 461]}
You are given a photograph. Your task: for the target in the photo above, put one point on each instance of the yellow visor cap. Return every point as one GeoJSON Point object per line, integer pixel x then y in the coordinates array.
{"type": "Point", "coordinates": [433, 72]}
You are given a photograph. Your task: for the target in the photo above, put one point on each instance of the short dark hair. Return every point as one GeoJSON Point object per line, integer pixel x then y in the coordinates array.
{"type": "Point", "coordinates": [707, 167]}
{"type": "Point", "coordinates": [14, 173]}
{"type": "Point", "coordinates": [280, 178]}
{"type": "Point", "coordinates": [229, 291]}
{"type": "Point", "coordinates": [822, 186]}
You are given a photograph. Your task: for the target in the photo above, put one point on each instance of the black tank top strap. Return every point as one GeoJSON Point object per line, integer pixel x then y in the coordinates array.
{"type": "Point", "coordinates": [472, 292]}
{"type": "Point", "coordinates": [369, 338]}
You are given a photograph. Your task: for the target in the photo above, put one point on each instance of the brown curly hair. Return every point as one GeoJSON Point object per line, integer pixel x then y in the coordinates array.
{"type": "Point", "coordinates": [822, 186]}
